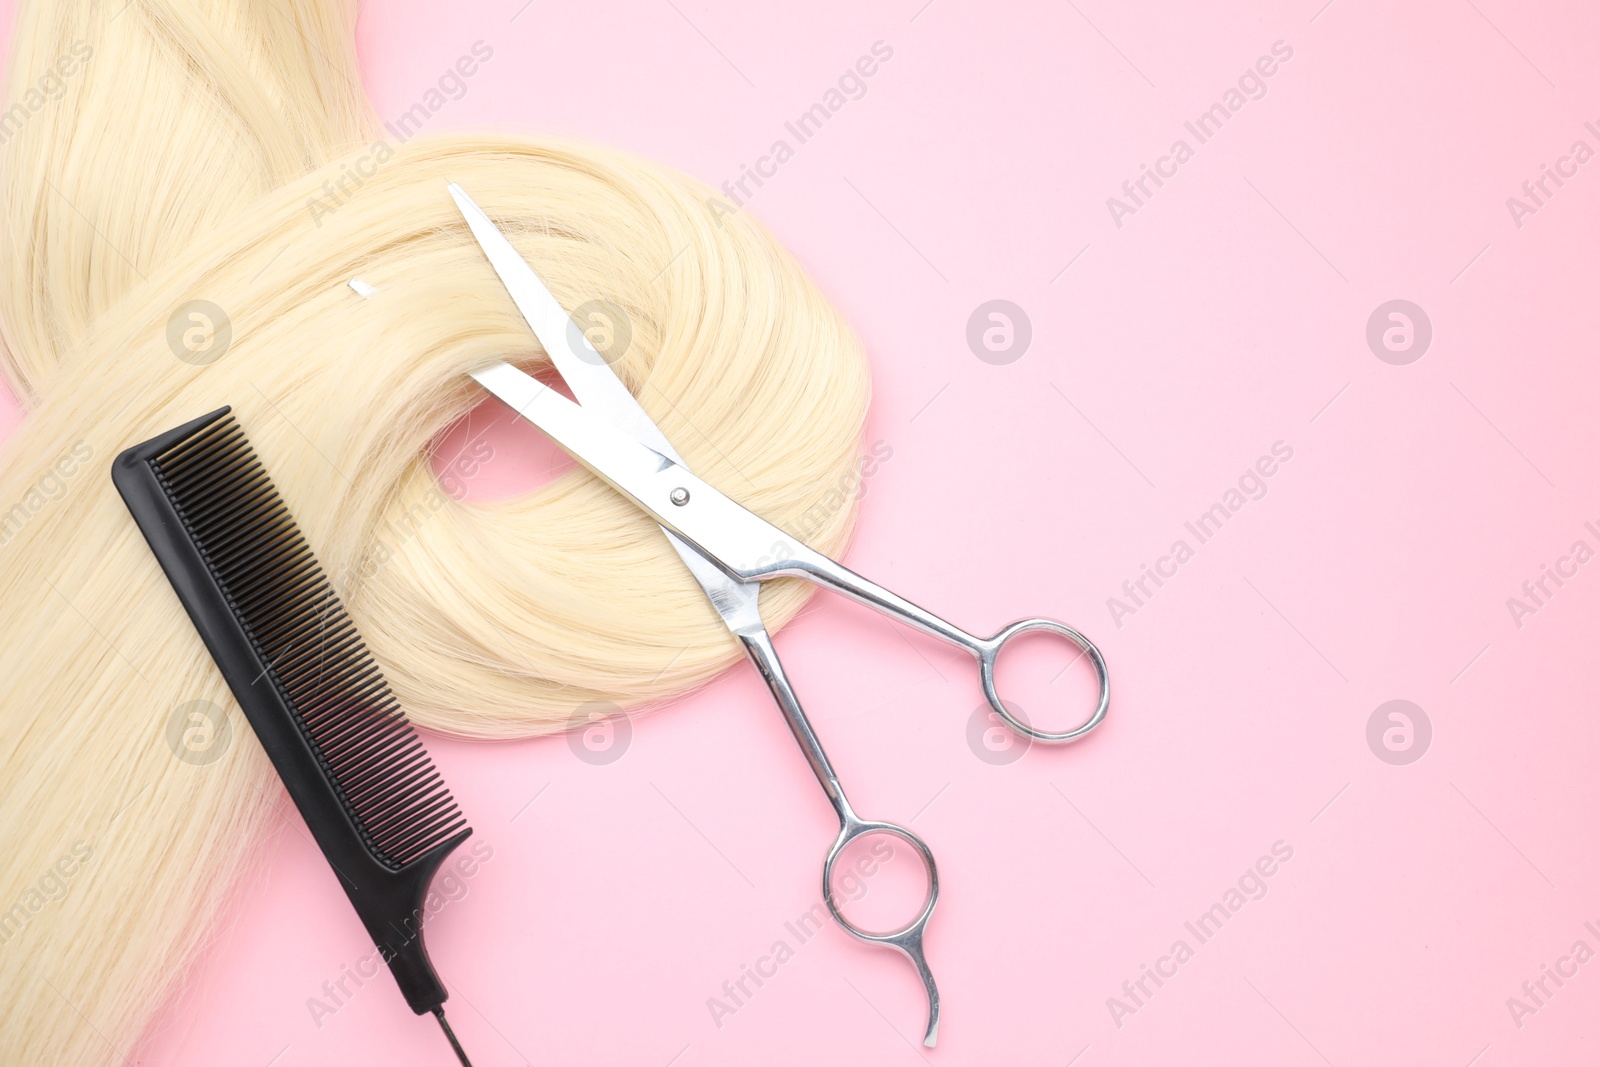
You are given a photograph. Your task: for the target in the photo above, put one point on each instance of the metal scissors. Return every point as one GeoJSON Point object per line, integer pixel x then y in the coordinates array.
{"type": "Point", "coordinates": [730, 551]}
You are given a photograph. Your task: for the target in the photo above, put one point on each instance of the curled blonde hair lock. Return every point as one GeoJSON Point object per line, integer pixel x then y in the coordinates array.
{"type": "Point", "coordinates": [177, 165]}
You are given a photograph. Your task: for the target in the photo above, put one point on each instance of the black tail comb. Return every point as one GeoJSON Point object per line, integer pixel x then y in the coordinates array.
{"type": "Point", "coordinates": [351, 761]}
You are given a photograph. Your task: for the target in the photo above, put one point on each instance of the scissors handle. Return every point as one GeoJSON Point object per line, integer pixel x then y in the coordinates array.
{"type": "Point", "coordinates": [803, 562]}
{"type": "Point", "coordinates": [758, 647]}
{"type": "Point", "coordinates": [734, 539]}
{"type": "Point", "coordinates": [907, 940]}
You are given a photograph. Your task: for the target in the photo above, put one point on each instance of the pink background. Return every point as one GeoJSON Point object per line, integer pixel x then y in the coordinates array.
{"type": "Point", "coordinates": [1168, 354]}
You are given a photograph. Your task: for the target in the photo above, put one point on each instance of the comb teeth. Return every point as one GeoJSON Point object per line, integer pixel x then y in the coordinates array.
{"type": "Point", "coordinates": [315, 658]}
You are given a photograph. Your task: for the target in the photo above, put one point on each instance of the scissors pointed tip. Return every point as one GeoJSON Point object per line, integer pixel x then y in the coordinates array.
{"type": "Point", "coordinates": [465, 204]}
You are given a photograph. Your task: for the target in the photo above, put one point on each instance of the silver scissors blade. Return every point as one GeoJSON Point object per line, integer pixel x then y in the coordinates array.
{"type": "Point", "coordinates": [598, 389]}
{"type": "Point", "coordinates": [585, 370]}
{"type": "Point", "coordinates": [728, 535]}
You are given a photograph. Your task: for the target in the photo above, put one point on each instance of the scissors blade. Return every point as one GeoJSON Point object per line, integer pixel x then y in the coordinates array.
{"type": "Point", "coordinates": [600, 391]}
{"type": "Point", "coordinates": [585, 371]}
{"type": "Point", "coordinates": [648, 478]}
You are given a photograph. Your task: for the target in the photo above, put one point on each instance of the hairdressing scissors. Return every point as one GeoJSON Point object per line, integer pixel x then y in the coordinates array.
{"type": "Point", "coordinates": [730, 551]}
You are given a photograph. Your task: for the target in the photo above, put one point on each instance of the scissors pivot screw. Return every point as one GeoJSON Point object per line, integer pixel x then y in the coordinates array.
{"type": "Point", "coordinates": [680, 496]}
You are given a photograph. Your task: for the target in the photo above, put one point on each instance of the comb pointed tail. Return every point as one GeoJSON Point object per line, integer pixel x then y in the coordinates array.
{"type": "Point", "coordinates": [444, 1025]}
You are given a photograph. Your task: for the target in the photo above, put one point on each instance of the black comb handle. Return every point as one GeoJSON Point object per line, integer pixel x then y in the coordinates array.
{"type": "Point", "coordinates": [388, 895]}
